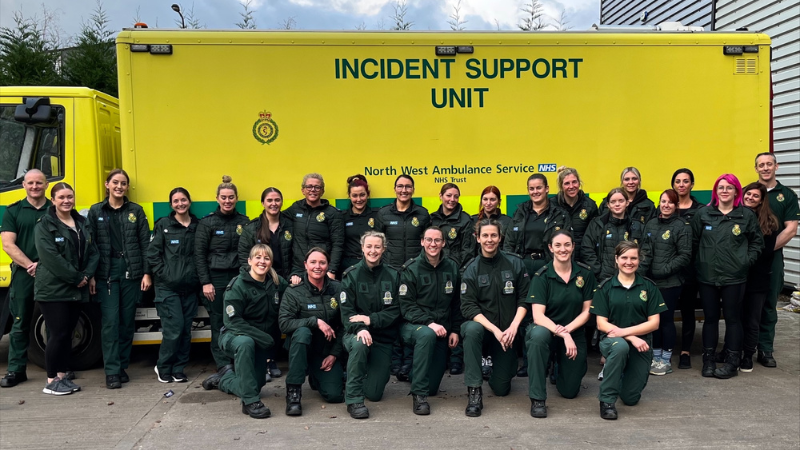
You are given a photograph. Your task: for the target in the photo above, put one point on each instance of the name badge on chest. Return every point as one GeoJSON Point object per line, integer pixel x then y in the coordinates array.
{"type": "Point", "coordinates": [448, 287]}
{"type": "Point", "coordinates": [509, 288]}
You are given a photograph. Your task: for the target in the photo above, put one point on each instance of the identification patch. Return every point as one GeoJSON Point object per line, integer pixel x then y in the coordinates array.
{"type": "Point", "coordinates": [609, 236]}
{"type": "Point", "coordinates": [287, 235]}
{"type": "Point", "coordinates": [579, 282]}
{"type": "Point", "coordinates": [299, 215]}
{"type": "Point", "coordinates": [448, 287]}
{"type": "Point", "coordinates": [371, 222]}
{"type": "Point", "coordinates": [239, 230]}
{"type": "Point", "coordinates": [230, 311]}
{"type": "Point", "coordinates": [343, 297]}
{"type": "Point", "coordinates": [452, 233]}
{"type": "Point", "coordinates": [583, 215]}
{"type": "Point", "coordinates": [59, 239]}
{"type": "Point", "coordinates": [131, 218]}
{"type": "Point", "coordinates": [643, 295]}
{"type": "Point", "coordinates": [348, 224]}
{"type": "Point", "coordinates": [415, 222]}
{"type": "Point", "coordinates": [99, 219]}
{"type": "Point", "coordinates": [403, 289]}
{"type": "Point", "coordinates": [779, 197]}
{"type": "Point", "coordinates": [509, 289]}
{"type": "Point", "coordinates": [334, 303]}
{"type": "Point", "coordinates": [463, 288]}
{"type": "Point", "coordinates": [321, 217]}
{"type": "Point", "coordinates": [276, 298]}
{"type": "Point", "coordinates": [219, 232]}
{"type": "Point", "coordinates": [174, 241]}
{"type": "Point", "coordinates": [665, 236]}
{"type": "Point", "coordinates": [516, 228]}
{"type": "Point", "coordinates": [312, 306]}
{"type": "Point", "coordinates": [736, 230]}
{"type": "Point", "coordinates": [708, 227]}
{"type": "Point", "coordinates": [387, 298]}
{"type": "Point", "coordinates": [393, 222]}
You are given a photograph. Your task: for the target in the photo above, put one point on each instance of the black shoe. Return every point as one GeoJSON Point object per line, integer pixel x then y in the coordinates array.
{"type": "Point", "coordinates": [123, 377]}
{"type": "Point", "coordinates": [393, 370]}
{"type": "Point", "coordinates": [402, 374]}
{"type": "Point", "coordinates": [294, 393]}
{"type": "Point", "coordinates": [256, 410]}
{"type": "Point", "coordinates": [456, 368]}
{"type": "Point", "coordinates": [731, 367]}
{"type": "Point", "coordinates": [272, 368]}
{"type": "Point", "coordinates": [212, 382]}
{"type": "Point", "coordinates": [358, 411]}
{"type": "Point", "coordinates": [421, 406]}
{"type": "Point", "coordinates": [709, 366]}
{"type": "Point", "coordinates": [165, 378]}
{"type": "Point", "coordinates": [608, 411]}
{"type": "Point", "coordinates": [13, 378]}
{"type": "Point", "coordinates": [538, 409]}
{"type": "Point", "coordinates": [475, 403]}
{"type": "Point", "coordinates": [180, 377]}
{"type": "Point", "coordinates": [719, 358]}
{"type": "Point", "coordinates": [746, 364]}
{"type": "Point", "coordinates": [554, 373]}
{"type": "Point", "coordinates": [766, 359]}
{"type": "Point", "coordinates": [522, 372]}
{"type": "Point", "coordinates": [113, 382]}
{"type": "Point", "coordinates": [70, 375]}
{"type": "Point", "coordinates": [685, 361]}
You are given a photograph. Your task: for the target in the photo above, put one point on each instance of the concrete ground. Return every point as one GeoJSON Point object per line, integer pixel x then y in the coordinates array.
{"type": "Point", "coordinates": [681, 410]}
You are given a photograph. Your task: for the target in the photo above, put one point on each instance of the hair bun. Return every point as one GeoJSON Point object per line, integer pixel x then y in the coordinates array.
{"type": "Point", "coordinates": [355, 177]}
{"type": "Point", "coordinates": [561, 169]}
{"type": "Point", "coordinates": [226, 179]}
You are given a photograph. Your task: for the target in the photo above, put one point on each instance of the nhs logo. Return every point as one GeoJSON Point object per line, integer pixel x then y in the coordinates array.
{"type": "Point", "coordinates": [547, 167]}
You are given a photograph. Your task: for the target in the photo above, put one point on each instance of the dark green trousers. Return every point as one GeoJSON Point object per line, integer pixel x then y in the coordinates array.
{"type": "Point", "coordinates": [220, 280]}
{"type": "Point", "coordinates": [176, 310]}
{"type": "Point", "coordinates": [504, 363]}
{"type": "Point", "coordinates": [306, 358]}
{"type": "Point", "coordinates": [20, 305]}
{"type": "Point", "coordinates": [250, 367]}
{"type": "Point", "coordinates": [769, 315]}
{"type": "Point", "coordinates": [541, 343]}
{"type": "Point", "coordinates": [118, 300]}
{"type": "Point", "coordinates": [367, 370]}
{"type": "Point", "coordinates": [625, 373]}
{"type": "Point", "coordinates": [430, 358]}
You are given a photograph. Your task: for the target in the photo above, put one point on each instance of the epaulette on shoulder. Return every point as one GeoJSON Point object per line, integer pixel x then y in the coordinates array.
{"type": "Point", "coordinates": [348, 270]}
{"type": "Point", "coordinates": [516, 255]}
{"type": "Point", "coordinates": [407, 263]}
{"type": "Point", "coordinates": [230, 283]}
{"type": "Point", "coordinates": [542, 270]}
{"type": "Point", "coordinates": [209, 214]}
{"type": "Point", "coordinates": [15, 203]}
{"type": "Point", "coordinates": [584, 265]}
{"type": "Point", "coordinates": [648, 279]}
{"type": "Point", "coordinates": [469, 262]}
{"type": "Point", "coordinates": [600, 284]}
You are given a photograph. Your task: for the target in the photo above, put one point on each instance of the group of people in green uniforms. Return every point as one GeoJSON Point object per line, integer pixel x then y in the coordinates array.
{"type": "Point", "coordinates": [363, 294]}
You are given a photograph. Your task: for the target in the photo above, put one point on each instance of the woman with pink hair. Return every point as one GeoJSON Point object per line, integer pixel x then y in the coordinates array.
{"type": "Point", "coordinates": [727, 241]}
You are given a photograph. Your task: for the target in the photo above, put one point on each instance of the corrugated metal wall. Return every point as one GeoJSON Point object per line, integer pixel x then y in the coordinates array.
{"type": "Point", "coordinates": [629, 12]}
{"type": "Point", "coordinates": [781, 21]}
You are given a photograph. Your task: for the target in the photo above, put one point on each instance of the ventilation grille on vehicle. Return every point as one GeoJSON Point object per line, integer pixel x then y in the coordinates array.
{"type": "Point", "coordinates": [745, 66]}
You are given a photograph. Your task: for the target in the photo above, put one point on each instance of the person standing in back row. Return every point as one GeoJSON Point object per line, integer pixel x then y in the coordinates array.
{"type": "Point", "coordinates": [358, 218]}
{"type": "Point", "coordinates": [581, 209]}
{"type": "Point", "coordinates": [18, 243]}
{"type": "Point", "coordinates": [455, 224]}
{"type": "Point", "coordinates": [640, 208]}
{"type": "Point", "coordinates": [783, 203]}
{"type": "Point", "coordinates": [171, 257]}
{"type": "Point", "coordinates": [120, 230]}
{"type": "Point", "coordinates": [316, 223]}
{"type": "Point", "coordinates": [216, 247]}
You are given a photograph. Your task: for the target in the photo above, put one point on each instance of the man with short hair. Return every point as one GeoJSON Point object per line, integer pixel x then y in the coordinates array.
{"type": "Point", "coordinates": [783, 202]}
{"type": "Point", "coordinates": [16, 232]}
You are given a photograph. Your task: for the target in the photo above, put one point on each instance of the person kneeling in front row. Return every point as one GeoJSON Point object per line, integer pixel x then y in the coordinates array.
{"type": "Point", "coordinates": [627, 307]}
{"type": "Point", "coordinates": [245, 335]}
{"type": "Point", "coordinates": [493, 292]}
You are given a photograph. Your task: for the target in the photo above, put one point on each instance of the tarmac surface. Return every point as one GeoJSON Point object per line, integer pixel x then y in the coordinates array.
{"type": "Point", "coordinates": [681, 410]}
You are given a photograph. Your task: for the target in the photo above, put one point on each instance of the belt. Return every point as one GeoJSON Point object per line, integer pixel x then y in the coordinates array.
{"type": "Point", "coordinates": [117, 254]}
{"type": "Point", "coordinates": [535, 255]}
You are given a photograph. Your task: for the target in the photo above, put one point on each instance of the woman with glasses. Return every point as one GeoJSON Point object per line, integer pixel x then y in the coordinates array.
{"type": "Point", "coordinates": [316, 223]}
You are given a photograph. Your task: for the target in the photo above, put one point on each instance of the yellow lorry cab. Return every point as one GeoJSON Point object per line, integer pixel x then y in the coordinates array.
{"type": "Point", "coordinates": [471, 108]}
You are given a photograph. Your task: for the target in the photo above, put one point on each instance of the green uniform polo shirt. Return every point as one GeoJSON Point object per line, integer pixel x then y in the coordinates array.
{"type": "Point", "coordinates": [563, 301]}
{"type": "Point", "coordinates": [783, 202]}
{"type": "Point", "coordinates": [21, 218]}
{"type": "Point", "coordinates": [626, 307]}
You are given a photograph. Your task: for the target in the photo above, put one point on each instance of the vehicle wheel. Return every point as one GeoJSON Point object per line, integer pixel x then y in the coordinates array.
{"type": "Point", "coordinates": [86, 346]}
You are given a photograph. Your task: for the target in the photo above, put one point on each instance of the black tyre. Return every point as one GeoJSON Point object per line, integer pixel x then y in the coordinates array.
{"type": "Point", "coordinates": [86, 348]}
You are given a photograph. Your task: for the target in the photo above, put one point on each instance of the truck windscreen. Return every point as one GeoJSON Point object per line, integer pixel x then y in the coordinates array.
{"type": "Point", "coordinates": [25, 146]}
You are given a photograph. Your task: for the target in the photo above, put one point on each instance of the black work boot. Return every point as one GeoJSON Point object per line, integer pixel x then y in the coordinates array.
{"type": "Point", "coordinates": [475, 404]}
{"type": "Point", "coordinates": [731, 367]}
{"type": "Point", "coordinates": [13, 378]}
{"type": "Point", "coordinates": [256, 410]}
{"type": "Point", "coordinates": [421, 406]}
{"type": "Point", "coordinates": [212, 382]}
{"type": "Point", "coordinates": [608, 411]}
{"type": "Point", "coordinates": [456, 368]}
{"type": "Point", "coordinates": [358, 411]}
{"type": "Point", "coordinates": [538, 409]}
{"type": "Point", "coordinates": [112, 382]}
{"type": "Point", "coordinates": [766, 359]}
{"type": "Point", "coordinates": [746, 364]}
{"type": "Point", "coordinates": [294, 393]}
{"type": "Point", "coordinates": [402, 374]}
{"type": "Point", "coordinates": [709, 366]}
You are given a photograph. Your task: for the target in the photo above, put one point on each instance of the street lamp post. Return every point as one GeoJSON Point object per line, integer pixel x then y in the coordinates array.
{"type": "Point", "coordinates": [177, 9]}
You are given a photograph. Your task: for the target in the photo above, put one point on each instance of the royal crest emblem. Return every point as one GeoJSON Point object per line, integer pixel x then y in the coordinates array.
{"type": "Point", "coordinates": [415, 222]}
{"type": "Point", "coordinates": [371, 222]}
{"type": "Point", "coordinates": [387, 298]}
{"type": "Point", "coordinates": [736, 230]}
{"type": "Point", "coordinates": [265, 130]}
{"type": "Point", "coordinates": [334, 303]}
{"type": "Point", "coordinates": [779, 198]}
{"type": "Point", "coordinates": [666, 235]}
{"type": "Point", "coordinates": [643, 295]}
{"type": "Point", "coordinates": [448, 287]}
{"type": "Point", "coordinates": [453, 233]}
{"type": "Point", "coordinates": [287, 235]}
{"type": "Point", "coordinates": [239, 230]}
{"type": "Point", "coordinates": [131, 218]}
{"type": "Point", "coordinates": [579, 282]}
{"type": "Point", "coordinates": [583, 215]}
{"type": "Point", "coordinates": [321, 217]}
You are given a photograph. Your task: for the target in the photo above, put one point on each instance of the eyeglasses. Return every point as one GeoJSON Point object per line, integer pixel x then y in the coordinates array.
{"type": "Point", "coordinates": [406, 187]}
{"type": "Point", "coordinates": [312, 187]}
{"type": "Point", "coordinates": [436, 241]}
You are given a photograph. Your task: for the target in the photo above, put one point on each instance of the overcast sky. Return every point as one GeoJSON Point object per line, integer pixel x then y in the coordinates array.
{"type": "Point", "coordinates": [307, 14]}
